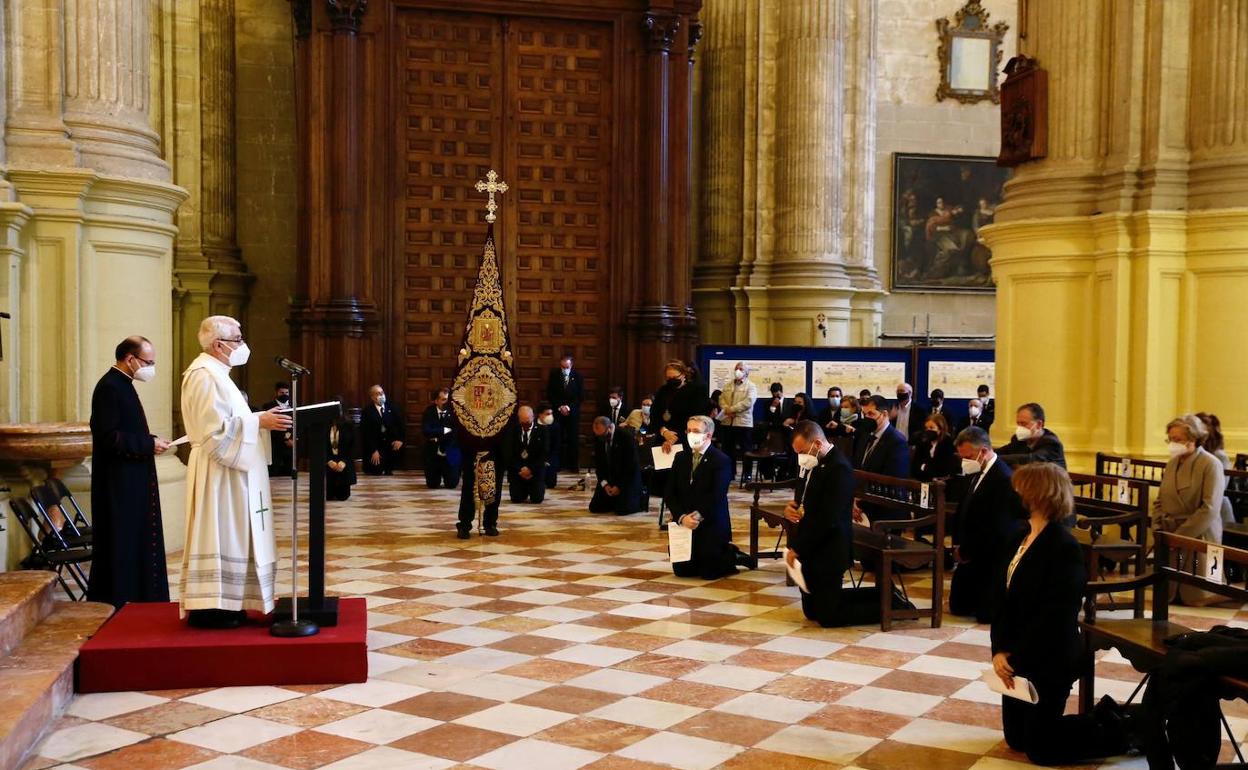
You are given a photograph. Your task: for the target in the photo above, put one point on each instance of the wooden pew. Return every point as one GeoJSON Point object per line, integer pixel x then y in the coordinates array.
{"type": "Point", "coordinates": [1103, 504]}
{"type": "Point", "coordinates": [1142, 641]}
{"type": "Point", "coordinates": [884, 541]}
{"type": "Point", "coordinates": [918, 508]}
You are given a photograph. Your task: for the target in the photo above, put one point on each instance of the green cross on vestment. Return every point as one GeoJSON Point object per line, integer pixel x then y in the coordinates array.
{"type": "Point", "coordinates": [261, 511]}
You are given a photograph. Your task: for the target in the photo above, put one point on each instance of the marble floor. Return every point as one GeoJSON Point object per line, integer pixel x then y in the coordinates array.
{"type": "Point", "coordinates": [567, 643]}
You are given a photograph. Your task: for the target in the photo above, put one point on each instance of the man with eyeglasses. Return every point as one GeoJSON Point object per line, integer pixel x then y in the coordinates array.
{"type": "Point", "coordinates": [128, 541]}
{"type": "Point", "coordinates": [229, 560]}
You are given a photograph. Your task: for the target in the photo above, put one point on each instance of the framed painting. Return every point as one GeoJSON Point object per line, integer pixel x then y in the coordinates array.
{"type": "Point", "coordinates": [939, 204]}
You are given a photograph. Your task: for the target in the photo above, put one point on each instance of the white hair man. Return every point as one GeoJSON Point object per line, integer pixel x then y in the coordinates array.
{"type": "Point", "coordinates": [230, 554]}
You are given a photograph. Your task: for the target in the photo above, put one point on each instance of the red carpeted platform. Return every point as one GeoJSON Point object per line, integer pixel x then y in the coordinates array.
{"type": "Point", "coordinates": [146, 647]}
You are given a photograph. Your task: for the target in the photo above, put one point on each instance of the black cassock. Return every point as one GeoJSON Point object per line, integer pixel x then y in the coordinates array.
{"type": "Point", "coordinates": [128, 563]}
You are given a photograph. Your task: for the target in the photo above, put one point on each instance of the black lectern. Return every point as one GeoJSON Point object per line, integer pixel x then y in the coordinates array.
{"type": "Point", "coordinates": [314, 422]}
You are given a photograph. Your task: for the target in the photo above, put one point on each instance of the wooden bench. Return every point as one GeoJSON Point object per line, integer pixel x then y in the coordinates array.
{"type": "Point", "coordinates": [883, 542]}
{"type": "Point", "coordinates": [1142, 641]}
{"type": "Point", "coordinates": [1112, 522]}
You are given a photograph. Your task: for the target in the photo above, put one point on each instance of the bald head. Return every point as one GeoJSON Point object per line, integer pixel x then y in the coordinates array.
{"type": "Point", "coordinates": [525, 414]}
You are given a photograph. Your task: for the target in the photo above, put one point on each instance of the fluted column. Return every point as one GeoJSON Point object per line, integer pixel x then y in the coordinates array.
{"type": "Point", "coordinates": [35, 133]}
{"type": "Point", "coordinates": [108, 85]}
{"type": "Point", "coordinates": [1069, 38]}
{"type": "Point", "coordinates": [1219, 105]}
{"type": "Point", "coordinates": [723, 179]}
{"type": "Point", "coordinates": [809, 143]}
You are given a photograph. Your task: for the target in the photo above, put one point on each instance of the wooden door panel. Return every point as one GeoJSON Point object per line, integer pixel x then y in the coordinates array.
{"type": "Point", "coordinates": [449, 75]}
{"type": "Point", "coordinates": [559, 147]}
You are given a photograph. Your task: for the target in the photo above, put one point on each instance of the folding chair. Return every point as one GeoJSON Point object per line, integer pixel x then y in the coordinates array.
{"type": "Point", "coordinates": [48, 547]}
{"type": "Point", "coordinates": [52, 495]}
{"type": "Point", "coordinates": [774, 450]}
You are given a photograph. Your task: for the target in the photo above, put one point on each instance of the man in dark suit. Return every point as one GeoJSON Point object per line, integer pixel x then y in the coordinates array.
{"type": "Point", "coordinates": [525, 450]}
{"type": "Point", "coordinates": [614, 406]}
{"type": "Point", "coordinates": [565, 389]}
{"type": "Point", "coordinates": [880, 448]}
{"type": "Point", "coordinates": [1032, 442]}
{"type": "Point", "coordinates": [989, 517]}
{"type": "Point", "coordinates": [382, 434]}
{"type": "Point", "coordinates": [554, 439]}
{"type": "Point", "coordinates": [618, 469]}
{"type": "Point", "coordinates": [442, 456]}
{"type": "Point", "coordinates": [936, 404]}
{"type": "Point", "coordinates": [822, 508]}
{"type": "Point", "coordinates": [988, 404]}
{"type": "Point", "coordinates": [975, 417]}
{"type": "Point", "coordinates": [697, 496]}
{"type": "Point", "coordinates": [907, 416]}
{"type": "Point", "coordinates": [279, 459]}
{"type": "Point", "coordinates": [128, 538]}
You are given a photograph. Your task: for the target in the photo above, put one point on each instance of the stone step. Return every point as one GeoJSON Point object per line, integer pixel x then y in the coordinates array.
{"type": "Point", "coordinates": [37, 677]}
{"type": "Point", "coordinates": [26, 597]}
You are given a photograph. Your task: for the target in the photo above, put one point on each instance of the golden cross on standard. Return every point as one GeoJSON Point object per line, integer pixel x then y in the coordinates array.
{"type": "Point", "coordinates": [491, 185]}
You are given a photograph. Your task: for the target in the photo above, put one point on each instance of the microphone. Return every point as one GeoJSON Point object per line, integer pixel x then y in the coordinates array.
{"type": "Point", "coordinates": [296, 369]}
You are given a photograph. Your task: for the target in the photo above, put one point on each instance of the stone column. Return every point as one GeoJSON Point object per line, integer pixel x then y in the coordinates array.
{"type": "Point", "coordinates": [35, 132]}
{"type": "Point", "coordinates": [108, 87]}
{"type": "Point", "coordinates": [1218, 115]}
{"type": "Point", "coordinates": [1120, 258]}
{"type": "Point", "coordinates": [723, 174]}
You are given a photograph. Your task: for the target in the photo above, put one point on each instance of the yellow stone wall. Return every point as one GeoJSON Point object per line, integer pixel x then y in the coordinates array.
{"type": "Point", "coordinates": [1122, 258]}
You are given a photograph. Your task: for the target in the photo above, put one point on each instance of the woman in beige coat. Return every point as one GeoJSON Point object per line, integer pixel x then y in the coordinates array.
{"type": "Point", "coordinates": [1189, 501]}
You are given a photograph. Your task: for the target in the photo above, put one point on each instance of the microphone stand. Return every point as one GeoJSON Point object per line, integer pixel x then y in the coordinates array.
{"type": "Point", "coordinates": [294, 627]}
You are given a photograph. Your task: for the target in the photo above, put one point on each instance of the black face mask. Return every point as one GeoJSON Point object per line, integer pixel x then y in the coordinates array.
{"type": "Point", "coordinates": [903, 398]}
{"type": "Point", "coordinates": [929, 435]}
{"type": "Point", "coordinates": [283, 399]}
{"type": "Point", "coordinates": [673, 381]}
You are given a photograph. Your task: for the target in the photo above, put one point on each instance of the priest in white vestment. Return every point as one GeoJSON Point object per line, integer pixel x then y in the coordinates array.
{"type": "Point", "coordinates": [230, 557]}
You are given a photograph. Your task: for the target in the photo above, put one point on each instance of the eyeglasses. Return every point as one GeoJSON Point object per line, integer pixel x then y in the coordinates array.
{"type": "Point", "coordinates": [144, 361]}
{"type": "Point", "coordinates": [237, 341]}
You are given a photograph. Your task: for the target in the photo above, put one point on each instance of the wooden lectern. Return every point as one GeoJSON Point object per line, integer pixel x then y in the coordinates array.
{"type": "Point", "coordinates": [314, 422]}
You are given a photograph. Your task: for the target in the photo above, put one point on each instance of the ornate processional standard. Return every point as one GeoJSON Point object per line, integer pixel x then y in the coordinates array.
{"type": "Point", "coordinates": [483, 393]}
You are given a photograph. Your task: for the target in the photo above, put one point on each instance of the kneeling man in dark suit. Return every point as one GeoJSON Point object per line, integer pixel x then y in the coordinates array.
{"type": "Point", "coordinates": [618, 469]}
{"type": "Point", "coordinates": [697, 496]}
{"type": "Point", "coordinates": [525, 450]}
{"type": "Point", "coordinates": [823, 508]}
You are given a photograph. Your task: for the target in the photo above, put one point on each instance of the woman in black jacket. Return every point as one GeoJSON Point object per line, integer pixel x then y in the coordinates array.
{"type": "Point", "coordinates": [681, 397]}
{"type": "Point", "coordinates": [340, 459]}
{"type": "Point", "coordinates": [935, 457]}
{"type": "Point", "coordinates": [1036, 630]}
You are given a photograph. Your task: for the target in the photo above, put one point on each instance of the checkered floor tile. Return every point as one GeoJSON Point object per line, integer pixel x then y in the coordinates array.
{"type": "Point", "coordinates": [567, 643]}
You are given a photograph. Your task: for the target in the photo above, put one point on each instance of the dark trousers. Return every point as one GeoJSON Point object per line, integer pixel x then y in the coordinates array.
{"type": "Point", "coordinates": [337, 485]}
{"type": "Point", "coordinates": [712, 558]}
{"type": "Point", "coordinates": [569, 441]}
{"type": "Point", "coordinates": [1049, 738]}
{"type": "Point", "coordinates": [551, 474]}
{"type": "Point", "coordinates": [969, 592]}
{"type": "Point", "coordinates": [831, 604]}
{"type": "Point", "coordinates": [467, 497]}
{"type": "Point", "coordinates": [531, 490]}
{"type": "Point", "coordinates": [738, 441]}
{"type": "Point", "coordinates": [390, 461]}
{"type": "Point", "coordinates": [627, 501]}
{"type": "Point", "coordinates": [440, 472]}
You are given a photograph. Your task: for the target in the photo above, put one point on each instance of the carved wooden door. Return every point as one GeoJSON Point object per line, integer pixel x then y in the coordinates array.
{"type": "Point", "coordinates": [532, 98]}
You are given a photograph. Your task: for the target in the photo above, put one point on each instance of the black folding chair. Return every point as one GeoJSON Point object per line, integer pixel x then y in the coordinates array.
{"type": "Point", "coordinates": [772, 454]}
{"type": "Point", "coordinates": [53, 494]}
{"type": "Point", "coordinates": [49, 549]}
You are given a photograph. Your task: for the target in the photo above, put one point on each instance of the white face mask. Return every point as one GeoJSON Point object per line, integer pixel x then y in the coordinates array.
{"type": "Point", "coordinates": [614, 402]}
{"type": "Point", "coordinates": [974, 410]}
{"type": "Point", "coordinates": [971, 467]}
{"type": "Point", "coordinates": [645, 410]}
{"type": "Point", "coordinates": [807, 461]}
{"type": "Point", "coordinates": [1022, 433]}
{"type": "Point", "coordinates": [1177, 449]}
{"type": "Point", "coordinates": [567, 370]}
{"type": "Point", "coordinates": [696, 440]}
{"type": "Point", "coordinates": [548, 420]}
{"type": "Point", "coordinates": [381, 401]}
{"type": "Point", "coordinates": [738, 374]}
{"type": "Point", "coordinates": [239, 355]}
{"type": "Point", "coordinates": [145, 373]}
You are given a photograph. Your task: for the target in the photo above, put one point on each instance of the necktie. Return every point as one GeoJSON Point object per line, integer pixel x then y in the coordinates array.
{"type": "Point", "coordinates": [697, 458]}
{"type": "Point", "coordinates": [526, 438]}
{"type": "Point", "coordinates": [870, 447]}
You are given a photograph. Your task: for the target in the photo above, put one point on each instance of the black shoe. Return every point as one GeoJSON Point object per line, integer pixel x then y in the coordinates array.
{"type": "Point", "coordinates": [462, 534]}
{"type": "Point", "coordinates": [747, 561]}
{"type": "Point", "coordinates": [901, 602]}
{"type": "Point", "coordinates": [218, 619]}
{"type": "Point", "coordinates": [1112, 719]}
{"type": "Point", "coordinates": [491, 531]}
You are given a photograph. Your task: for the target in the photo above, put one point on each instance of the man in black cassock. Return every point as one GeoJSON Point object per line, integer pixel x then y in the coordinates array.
{"type": "Point", "coordinates": [128, 540]}
{"type": "Point", "coordinates": [279, 464]}
{"type": "Point", "coordinates": [565, 389]}
{"type": "Point", "coordinates": [382, 434]}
